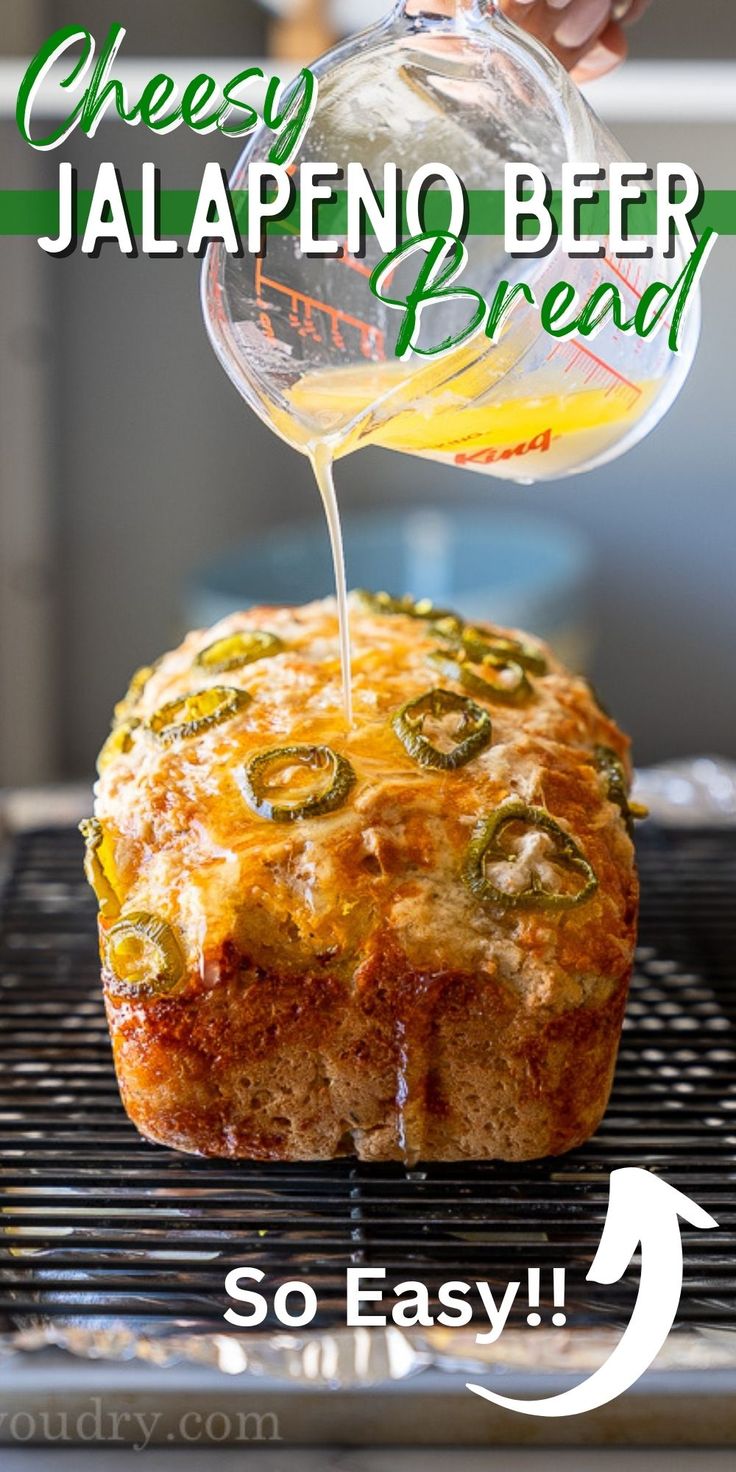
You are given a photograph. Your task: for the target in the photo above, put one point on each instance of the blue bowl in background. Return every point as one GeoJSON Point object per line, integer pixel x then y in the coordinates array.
{"type": "Point", "coordinates": [526, 571]}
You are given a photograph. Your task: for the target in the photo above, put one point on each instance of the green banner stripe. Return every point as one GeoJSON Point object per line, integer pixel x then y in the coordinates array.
{"type": "Point", "coordinates": [35, 212]}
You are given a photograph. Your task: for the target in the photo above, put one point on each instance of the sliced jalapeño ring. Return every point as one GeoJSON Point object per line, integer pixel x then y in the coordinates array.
{"type": "Point", "coordinates": [198, 711]}
{"type": "Point", "coordinates": [236, 650]}
{"type": "Point", "coordinates": [472, 731]}
{"type": "Point", "coordinates": [118, 743]}
{"type": "Point", "coordinates": [143, 956]}
{"type": "Point", "coordinates": [515, 650]}
{"type": "Point", "coordinates": [273, 782]}
{"type": "Point", "coordinates": [491, 678]}
{"type": "Point", "coordinates": [612, 769]}
{"type": "Point", "coordinates": [479, 643]}
{"type": "Point", "coordinates": [421, 608]}
{"type": "Point", "coordinates": [135, 690]}
{"type": "Point", "coordinates": [486, 845]}
{"type": "Point", "coordinates": [99, 866]}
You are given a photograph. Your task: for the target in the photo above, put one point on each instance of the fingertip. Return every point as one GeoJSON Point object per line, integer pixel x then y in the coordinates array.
{"type": "Point", "coordinates": [637, 10]}
{"type": "Point", "coordinates": [609, 51]}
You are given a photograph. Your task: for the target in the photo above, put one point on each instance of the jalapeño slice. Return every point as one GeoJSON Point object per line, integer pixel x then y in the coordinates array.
{"type": "Point", "coordinates": [118, 743]}
{"type": "Point", "coordinates": [144, 956]}
{"type": "Point", "coordinates": [237, 650]}
{"type": "Point", "coordinates": [479, 643]}
{"type": "Point", "coordinates": [274, 782]}
{"type": "Point", "coordinates": [492, 678]}
{"type": "Point", "coordinates": [99, 865]}
{"type": "Point", "coordinates": [514, 649]}
{"type": "Point", "coordinates": [489, 846]}
{"type": "Point", "coordinates": [422, 608]}
{"type": "Point", "coordinates": [199, 711]}
{"type": "Point", "coordinates": [612, 769]}
{"type": "Point", "coordinates": [471, 732]}
{"type": "Point", "coordinates": [134, 691]}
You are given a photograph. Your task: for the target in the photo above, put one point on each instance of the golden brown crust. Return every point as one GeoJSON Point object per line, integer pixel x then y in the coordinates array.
{"type": "Point", "coordinates": [343, 990]}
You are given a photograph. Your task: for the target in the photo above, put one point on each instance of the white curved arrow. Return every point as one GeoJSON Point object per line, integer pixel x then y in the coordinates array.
{"type": "Point", "coordinates": [642, 1208]}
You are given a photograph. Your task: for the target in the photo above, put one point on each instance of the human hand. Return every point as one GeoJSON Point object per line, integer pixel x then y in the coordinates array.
{"type": "Point", "coordinates": [587, 36]}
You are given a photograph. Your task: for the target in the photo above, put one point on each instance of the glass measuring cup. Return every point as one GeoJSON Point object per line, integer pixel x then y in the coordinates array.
{"type": "Point", "coordinates": [312, 349]}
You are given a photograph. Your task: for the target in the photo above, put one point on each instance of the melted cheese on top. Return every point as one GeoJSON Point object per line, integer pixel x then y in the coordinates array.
{"type": "Point", "coordinates": [325, 893]}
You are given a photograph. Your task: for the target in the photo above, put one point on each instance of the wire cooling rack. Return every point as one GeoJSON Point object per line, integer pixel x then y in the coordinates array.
{"type": "Point", "coordinates": [99, 1228]}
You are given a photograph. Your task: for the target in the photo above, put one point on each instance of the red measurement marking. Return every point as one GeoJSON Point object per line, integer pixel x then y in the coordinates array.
{"type": "Point", "coordinates": [372, 340]}
{"type": "Point", "coordinates": [617, 271]}
{"type": "Point", "coordinates": [599, 368]}
{"type": "Point", "coordinates": [355, 265]}
{"type": "Point", "coordinates": [310, 327]}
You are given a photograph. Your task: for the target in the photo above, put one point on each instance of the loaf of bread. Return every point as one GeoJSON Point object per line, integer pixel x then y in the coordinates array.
{"type": "Point", "coordinates": [407, 940]}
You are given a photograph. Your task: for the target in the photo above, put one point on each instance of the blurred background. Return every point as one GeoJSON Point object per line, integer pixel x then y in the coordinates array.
{"type": "Point", "coordinates": [136, 488]}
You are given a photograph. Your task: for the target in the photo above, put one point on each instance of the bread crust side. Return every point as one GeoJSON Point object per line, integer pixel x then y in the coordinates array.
{"type": "Point", "coordinates": [410, 1067]}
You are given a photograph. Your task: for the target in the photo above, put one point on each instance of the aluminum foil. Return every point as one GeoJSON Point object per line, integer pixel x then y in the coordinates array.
{"type": "Point", "coordinates": [358, 1358]}
{"type": "Point", "coordinates": [698, 792]}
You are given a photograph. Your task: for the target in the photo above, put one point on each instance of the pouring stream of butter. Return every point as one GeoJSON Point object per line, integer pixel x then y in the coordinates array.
{"type": "Point", "coordinates": [446, 410]}
{"type": "Point", "coordinates": [322, 458]}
